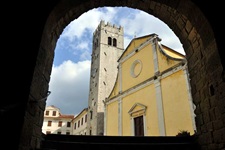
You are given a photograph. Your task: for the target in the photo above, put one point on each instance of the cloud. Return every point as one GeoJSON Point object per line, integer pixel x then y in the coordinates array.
{"type": "Point", "coordinates": [81, 50]}
{"type": "Point", "coordinates": [69, 86]}
{"type": "Point", "coordinates": [87, 22]}
{"type": "Point", "coordinates": [140, 23]}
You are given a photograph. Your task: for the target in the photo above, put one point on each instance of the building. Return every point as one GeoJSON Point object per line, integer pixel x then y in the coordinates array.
{"type": "Point", "coordinates": [151, 96]}
{"type": "Point", "coordinates": [55, 122]}
{"type": "Point", "coordinates": [79, 123]}
{"type": "Point", "coordinates": [108, 45]}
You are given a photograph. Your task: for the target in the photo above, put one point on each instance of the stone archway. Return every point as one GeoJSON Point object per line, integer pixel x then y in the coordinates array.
{"type": "Point", "coordinates": [194, 32]}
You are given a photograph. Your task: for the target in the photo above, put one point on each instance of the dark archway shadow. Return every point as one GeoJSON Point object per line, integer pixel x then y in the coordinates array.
{"type": "Point", "coordinates": [32, 51]}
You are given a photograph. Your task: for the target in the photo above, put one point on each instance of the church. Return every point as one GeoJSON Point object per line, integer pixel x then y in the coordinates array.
{"type": "Point", "coordinates": [142, 90]}
{"type": "Point", "coordinates": [151, 95]}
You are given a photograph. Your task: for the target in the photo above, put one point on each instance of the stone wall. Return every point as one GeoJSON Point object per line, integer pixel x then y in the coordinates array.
{"type": "Point", "coordinates": [194, 32]}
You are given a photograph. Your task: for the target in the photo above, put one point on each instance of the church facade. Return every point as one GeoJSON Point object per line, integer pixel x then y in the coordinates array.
{"type": "Point", "coordinates": [151, 95]}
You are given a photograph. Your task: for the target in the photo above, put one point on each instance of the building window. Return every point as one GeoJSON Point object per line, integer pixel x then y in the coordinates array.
{"type": "Point", "coordinates": [47, 113]}
{"type": "Point", "coordinates": [48, 132]}
{"type": "Point", "coordinates": [82, 120]}
{"type": "Point", "coordinates": [49, 123]}
{"type": "Point", "coordinates": [59, 132]}
{"type": "Point", "coordinates": [138, 126]}
{"type": "Point", "coordinates": [67, 133]}
{"type": "Point", "coordinates": [78, 123]}
{"type": "Point", "coordinates": [68, 124]}
{"type": "Point", "coordinates": [109, 41]}
{"type": "Point", "coordinates": [60, 124]}
{"type": "Point", "coordinates": [75, 125]}
{"type": "Point", "coordinates": [86, 118]}
{"type": "Point", "coordinates": [54, 113]}
{"type": "Point", "coordinates": [114, 42]}
{"type": "Point", "coordinates": [97, 42]}
{"type": "Point", "coordinates": [91, 113]}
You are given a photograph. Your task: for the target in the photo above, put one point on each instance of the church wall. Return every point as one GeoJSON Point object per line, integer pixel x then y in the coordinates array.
{"type": "Point", "coordinates": [176, 104]}
{"type": "Point", "coordinates": [146, 71]}
{"type": "Point", "coordinates": [164, 62]}
{"type": "Point", "coordinates": [112, 119]}
{"type": "Point", "coordinates": [144, 96]}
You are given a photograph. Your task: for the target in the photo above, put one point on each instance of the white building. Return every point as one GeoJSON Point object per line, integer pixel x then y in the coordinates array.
{"type": "Point", "coordinates": [55, 122]}
{"type": "Point", "coordinates": [79, 123]}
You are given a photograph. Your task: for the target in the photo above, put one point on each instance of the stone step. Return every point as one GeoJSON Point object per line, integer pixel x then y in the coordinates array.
{"type": "Point", "coordinates": [70, 142]}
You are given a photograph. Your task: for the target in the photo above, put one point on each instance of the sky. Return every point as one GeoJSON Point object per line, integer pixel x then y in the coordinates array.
{"type": "Point", "coordinates": [69, 83]}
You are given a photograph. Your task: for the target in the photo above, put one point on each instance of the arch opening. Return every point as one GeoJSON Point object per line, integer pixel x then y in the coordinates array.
{"type": "Point", "coordinates": [94, 44]}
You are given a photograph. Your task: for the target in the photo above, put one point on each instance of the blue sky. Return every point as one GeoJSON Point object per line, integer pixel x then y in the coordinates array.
{"type": "Point", "coordinates": [69, 84]}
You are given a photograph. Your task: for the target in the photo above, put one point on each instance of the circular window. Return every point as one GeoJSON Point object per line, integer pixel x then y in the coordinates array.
{"type": "Point", "coordinates": [136, 68]}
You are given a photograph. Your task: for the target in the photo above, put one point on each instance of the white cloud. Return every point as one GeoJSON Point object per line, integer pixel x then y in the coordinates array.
{"type": "Point", "coordinates": [85, 55]}
{"type": "Point", "coordinates": [81, 50]}
{"type": "Point", "coordinates": [87, 22]}
{"type": "Point", "coordinates": [69, 86]}
{"type": "Point", "coordinates": [82, 45]}
{"type": "Point", "coordinates": [140, 24]}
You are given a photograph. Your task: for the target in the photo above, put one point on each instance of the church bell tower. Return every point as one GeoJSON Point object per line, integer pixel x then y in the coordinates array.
{"type": "Point", "coordinates": [108, 45]}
